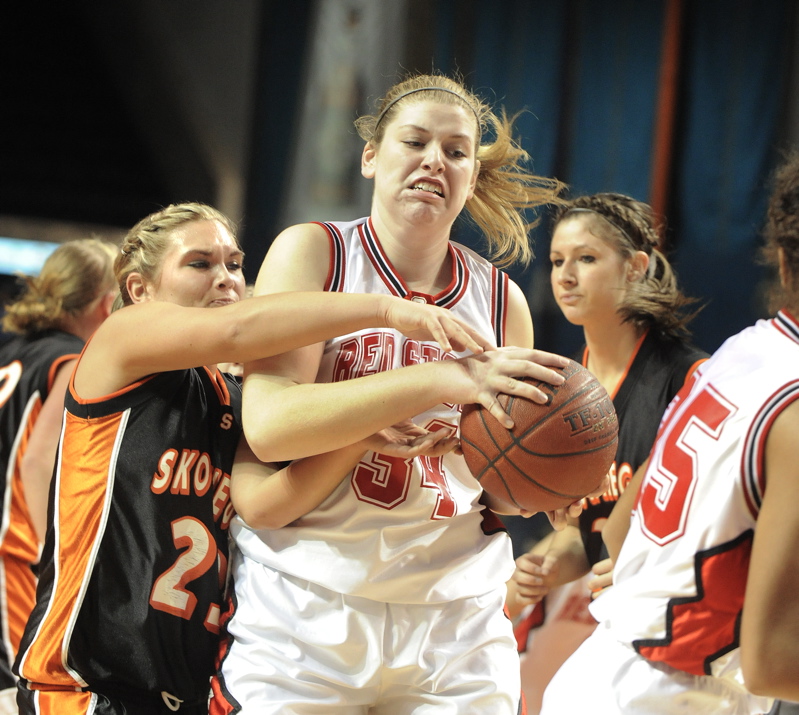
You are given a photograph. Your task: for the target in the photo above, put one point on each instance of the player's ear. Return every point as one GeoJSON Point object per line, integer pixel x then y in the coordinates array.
{"type": "Point", "coordinates": [137, 287]}
{"type": "Point", "coordinates": [639, 264]}
{"type": "Point", "coordinates": [368, 160]}
{"type": "Point", "coordinates": [474, 179]}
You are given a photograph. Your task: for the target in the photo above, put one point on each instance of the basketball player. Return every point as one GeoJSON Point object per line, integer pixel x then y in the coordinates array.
{"type": "Point", "coordinates": [53, 316]}
{"type": "Point", "coordinates": [608, 276]}
{"type": "Point", "coordinates": [388, 598]}
{"type": "Point", "coordinates": [134, 563]}
{"type": "Point", "coordinates": [703, 616]}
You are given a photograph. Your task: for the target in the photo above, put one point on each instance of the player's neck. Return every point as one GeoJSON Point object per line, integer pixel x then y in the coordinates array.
{"type": "Point", "coordinates": [609, 353]}
{"type": "Point", "coordinates": [422, 260]}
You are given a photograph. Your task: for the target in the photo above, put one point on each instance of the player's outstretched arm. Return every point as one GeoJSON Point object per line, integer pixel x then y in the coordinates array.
{"type": "Point", "coordinates": [288, 416]}
{"type": "Point", "coordinates": [160, 336]}
{"type": "Point", "coordinates": [770, 621]}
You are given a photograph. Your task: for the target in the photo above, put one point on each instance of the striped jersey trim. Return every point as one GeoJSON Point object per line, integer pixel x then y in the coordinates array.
{"type": "Point", "coordinates": [338, 255]}
{"type": "Point", "coordinates": [753, 470]}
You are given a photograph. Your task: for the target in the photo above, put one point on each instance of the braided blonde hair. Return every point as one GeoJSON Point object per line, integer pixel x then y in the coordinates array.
{"type": "Point", "coordinates": [144, 246]}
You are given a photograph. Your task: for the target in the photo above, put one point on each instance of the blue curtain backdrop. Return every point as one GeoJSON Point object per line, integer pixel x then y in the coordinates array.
{"type": "Point", "coordinates": [737, 54]}
{"type": "Point", "coordinates": [588, 72]}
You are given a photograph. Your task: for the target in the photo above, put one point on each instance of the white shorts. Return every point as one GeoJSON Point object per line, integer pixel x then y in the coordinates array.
{"type": "Point", "coordinates": [300, 648]}
{"type": "Point", "coordinates": [606, 677]}
{"type": "Point", "coordinates": [8, 702]}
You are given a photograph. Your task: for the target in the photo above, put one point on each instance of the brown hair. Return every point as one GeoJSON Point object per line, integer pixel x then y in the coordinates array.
{"type": "Point", "coordinates": [145, 244]}
{"type": "Point", "coordinates": [73, 276]}
{"type": "Point", "coordinates": [782, 232]}
{"type": "Point", "coordinates": [504, 188]}
{"type": "Point", "coordinates": [630, 226]}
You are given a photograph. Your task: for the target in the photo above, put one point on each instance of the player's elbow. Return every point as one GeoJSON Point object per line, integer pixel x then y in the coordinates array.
{"type": "Point", "coordinates": [769, 675]}
{"type": "Point", "coordinates": [263, 519]}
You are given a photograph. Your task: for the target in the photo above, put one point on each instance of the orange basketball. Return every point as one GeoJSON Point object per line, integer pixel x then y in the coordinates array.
{"type": "Point", "coordinates": [555, 454]}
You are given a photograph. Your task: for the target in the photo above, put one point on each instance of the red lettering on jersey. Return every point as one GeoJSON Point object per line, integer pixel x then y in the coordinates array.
{"type": "Point", "coordinates": [378, 349]}
{"type": "Point", "coordinates": [434, 477]}
{"type": "Point", "coordinates": [364, 354]}
{"type": "Point", "coordinates": [370, 353]}
{"type": "Point", "coordinates": [382, 480]}
{"type": "Point", "coordinates": [346, 360]}
{"type": "Point", "coordinates": [416, 353]}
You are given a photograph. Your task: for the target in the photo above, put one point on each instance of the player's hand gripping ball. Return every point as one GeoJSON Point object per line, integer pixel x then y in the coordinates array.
{"type": "Point", "coordinates": [555, 454]}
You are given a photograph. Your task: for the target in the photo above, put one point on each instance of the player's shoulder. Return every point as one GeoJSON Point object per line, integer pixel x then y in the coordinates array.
{"type": "Point", "coordinates": [42, 348]}
{"type": "Point", "coordinates": [677, 356]}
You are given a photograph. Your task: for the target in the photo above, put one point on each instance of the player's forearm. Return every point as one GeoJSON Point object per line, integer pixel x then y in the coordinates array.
{"type": "Point", "coordinates": [614, 532]}
{"type": "Point", "coordinates": [567, 547]}
{"type": "Point", "coordinates": [279, 323]}
{"type": "Point", "coordinates": [291, 492]}
{"type": "Point", "coordinates": [302, 420]}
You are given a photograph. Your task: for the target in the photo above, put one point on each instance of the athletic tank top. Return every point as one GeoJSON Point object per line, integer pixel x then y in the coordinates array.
{"type": "Point", "coordinates": [135, 559]}
{"type": "Point", "coordinates": [681, 575]}
{"type": "Point", "coordinates": [397, 530]}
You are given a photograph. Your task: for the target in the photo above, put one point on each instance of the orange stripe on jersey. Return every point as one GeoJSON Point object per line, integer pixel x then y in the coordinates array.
{"type": "Point", "coordinates": [83, 487]}
{"type": "Point", "coordinates": [220, 386]}
{"type": "Point", "coordinates": [20, 540]}
{"type": "Point", "coordinates": [19, 598]}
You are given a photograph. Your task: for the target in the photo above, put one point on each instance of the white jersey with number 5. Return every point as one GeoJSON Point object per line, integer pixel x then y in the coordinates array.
{"type": "Point", "coordinates": [395, 530]}
{"type": "Point", "coordinates": [681, 575]}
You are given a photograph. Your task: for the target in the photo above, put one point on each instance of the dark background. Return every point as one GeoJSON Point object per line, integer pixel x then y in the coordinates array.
{"type": "Point", "coordinates": [112, 110]}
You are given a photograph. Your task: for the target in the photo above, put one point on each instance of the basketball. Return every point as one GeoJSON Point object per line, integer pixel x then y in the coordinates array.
{"type": "Point", "coordinates": [555, 454]}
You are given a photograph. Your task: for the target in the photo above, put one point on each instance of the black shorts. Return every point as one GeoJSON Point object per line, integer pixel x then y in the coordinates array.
{"type": "Point", "coordinates": [69, 702]}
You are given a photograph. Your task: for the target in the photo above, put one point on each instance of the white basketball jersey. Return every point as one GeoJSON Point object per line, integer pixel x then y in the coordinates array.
{"type": "Point", "coordinates": [681, 575]}
{"type": "Point", "coordinates": [398, 530]}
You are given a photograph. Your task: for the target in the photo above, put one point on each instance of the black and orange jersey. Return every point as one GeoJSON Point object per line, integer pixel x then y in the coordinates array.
{"type": "Point", "coordinates": [134, 565]}
{"type": "Point", "coordinates": [28, 367]}
{"type": "Point", "coordinates": [657, 371]}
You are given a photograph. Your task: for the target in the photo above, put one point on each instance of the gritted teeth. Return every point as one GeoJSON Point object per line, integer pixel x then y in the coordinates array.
{"type": "Point", "coordinates": [426, 186]}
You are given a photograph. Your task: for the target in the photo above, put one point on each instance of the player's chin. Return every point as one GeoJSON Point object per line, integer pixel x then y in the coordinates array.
{"type": "Point", "coordinates": [500, 506]}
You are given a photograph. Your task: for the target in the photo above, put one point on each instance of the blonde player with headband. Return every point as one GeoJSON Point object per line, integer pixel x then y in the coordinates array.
{"type": "Point", "coordinates": [388, 597]}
